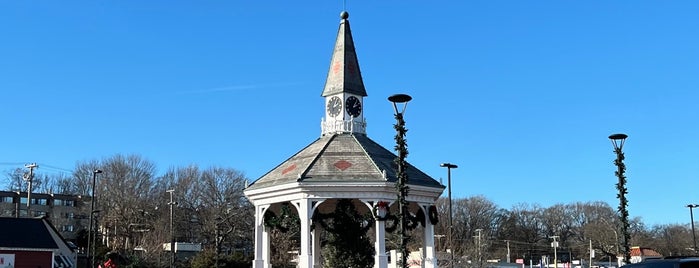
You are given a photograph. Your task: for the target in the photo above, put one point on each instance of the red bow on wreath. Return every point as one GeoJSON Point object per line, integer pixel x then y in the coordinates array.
{"type": "Point", "coordinates": [381, 210]}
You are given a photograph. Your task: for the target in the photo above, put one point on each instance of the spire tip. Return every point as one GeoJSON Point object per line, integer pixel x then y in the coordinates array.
{"type": "Point", "coordinates": [344, 15]}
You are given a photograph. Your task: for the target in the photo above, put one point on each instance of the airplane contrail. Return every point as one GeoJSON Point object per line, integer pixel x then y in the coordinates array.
{"type": "Point", "coordinates": [239, 87]}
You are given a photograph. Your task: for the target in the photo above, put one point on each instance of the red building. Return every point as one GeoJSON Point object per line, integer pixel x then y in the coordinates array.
{"type": "Point", "coordinates": [35, 243]}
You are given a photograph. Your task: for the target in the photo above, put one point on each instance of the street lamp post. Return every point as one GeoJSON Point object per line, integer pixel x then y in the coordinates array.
{"type": "Point", "coordinates": [618, 143]}
{"type": "Point", "coordinates": [172, 230]}
{"type": "Point", "coordinates": [691, 217]}
{"type": "Point", "coordinates": [90, 243]}
{"type": "Point", "coordinates": [94, 236]}
{"type": "Point", "coordinates": [449, 166]}
{"type": "Point", "coordinates": [402, 187]}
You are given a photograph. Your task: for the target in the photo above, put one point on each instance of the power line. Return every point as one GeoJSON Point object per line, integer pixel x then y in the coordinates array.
{"type": "Point", "coordinates": [44, 166]}
{"type": "Point", "coordinates": [12, 163]}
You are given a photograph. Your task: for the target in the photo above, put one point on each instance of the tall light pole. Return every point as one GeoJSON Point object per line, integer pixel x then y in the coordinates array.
{"type": "Point", "coordinates": [401, 185]}
{"type": "Point", "coordinates": [172, 230]}
{"type": "Point", "coordinates": [94, 237]}
{"type": "Point", "coordinates": [618, 143]}
{"type": "Point", "coordinates": [90, 243]}
{"type": "Point", "coordinates": [691, 217]}
{"type": "Point", "coordinates": [449, 166]}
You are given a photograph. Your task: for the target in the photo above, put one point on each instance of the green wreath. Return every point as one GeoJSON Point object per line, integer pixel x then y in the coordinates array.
{"type": "Point", "coordinates": [381, 204]}
{"type": "Point", "coordinates": [434, 216]}
{"type": "Point", "coordinates": [391, 223]}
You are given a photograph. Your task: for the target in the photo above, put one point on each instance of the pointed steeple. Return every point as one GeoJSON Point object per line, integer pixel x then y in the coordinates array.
{"type": "Point", "coordinates": [344, 75]}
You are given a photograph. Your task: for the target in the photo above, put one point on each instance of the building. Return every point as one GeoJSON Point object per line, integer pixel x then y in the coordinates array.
{"type": "Point", "coordinates": [33, 242]}
{"type": "Point", "coordinates": [66, 212]}
{"type": "Point", "coordinates": [639, 254]}
{"type": "Point", "coordinates": [344, 163]}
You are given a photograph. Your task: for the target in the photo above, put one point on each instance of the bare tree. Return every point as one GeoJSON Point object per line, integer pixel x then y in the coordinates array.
{"type": "Point", "coordinates": [15, 180]}
{"type": "Point", "coordinates": [123, 190]}
{"type": "Point", "coordinates": [471, 214]}
{"type": "Point", "coordinates": [212, 209]}
{"type": "Point", "coordinates": [82, 177]}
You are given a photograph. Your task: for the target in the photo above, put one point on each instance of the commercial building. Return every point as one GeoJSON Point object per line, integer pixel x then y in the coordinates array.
{"type": "Point", "coordinates": [66, 212]}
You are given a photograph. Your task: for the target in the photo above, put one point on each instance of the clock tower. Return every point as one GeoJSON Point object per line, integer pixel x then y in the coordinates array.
{"type": "Point", "coordinates": [344, 89]}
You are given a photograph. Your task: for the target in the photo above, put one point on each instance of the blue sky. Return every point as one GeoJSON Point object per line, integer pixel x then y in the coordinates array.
{"type": "Point", "coordinates": [520, 94]}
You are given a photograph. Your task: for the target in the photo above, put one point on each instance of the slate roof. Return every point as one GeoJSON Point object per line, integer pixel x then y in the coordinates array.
{"type": "Point", "coordinates": [344, 74]}
{"type": "Point", "coordinates": [25, 233]}
{"type": "Point", "coordinates": [344, 157]}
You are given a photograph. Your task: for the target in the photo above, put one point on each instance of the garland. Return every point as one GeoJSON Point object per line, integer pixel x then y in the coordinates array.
{"type": "Point", "coordinates": [420, 217]}
{"type": "Point", "coordinates": [412, 221]}
{"type": "Point", "coordinates": [283, 222]}
{"type": "Point", "coordinates": [324, 218]}
{"type": "Point", "coordinates": [391, 223]}
{"type": "Point", "coordinates": [434, 216]}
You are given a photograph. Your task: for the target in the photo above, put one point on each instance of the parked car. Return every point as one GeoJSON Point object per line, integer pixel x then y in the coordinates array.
{"type": "Point", "coordinates": [668, 262]}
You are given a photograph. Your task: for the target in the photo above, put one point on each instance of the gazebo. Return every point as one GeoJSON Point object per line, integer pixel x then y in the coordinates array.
{"type": "Point", "coordinates": [342, 164]}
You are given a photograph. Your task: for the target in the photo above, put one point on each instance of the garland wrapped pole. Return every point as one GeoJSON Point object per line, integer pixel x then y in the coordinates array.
{"type": "Point", "coordinates": [618, 143]}
{"type": "Point", "coordinates": [401, 185]}
{"type": "Point", "coordinates": [449, 166]}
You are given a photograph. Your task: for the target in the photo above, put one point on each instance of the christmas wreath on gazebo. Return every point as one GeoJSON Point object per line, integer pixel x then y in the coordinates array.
{"type": "Point", "coordinates": [433, 214]}
{"type": "Point", "coordinates": [381, 205]}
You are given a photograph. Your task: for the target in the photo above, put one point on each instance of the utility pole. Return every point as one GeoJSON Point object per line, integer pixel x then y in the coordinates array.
{"type": "Point", "coordinates": [479, 246]}
{"type": "Point", "coordinates": [554, 244]}
{"type": "Point", "coordinates": [29, 177]}
{"type": "Point", "coordinates": [508, 251]}
{"type": "Point", "coordinates": [592, 253]}
{"type": "Point", "coordinates": [172, 230]}
{"type": "Point", "coordinates": [691, 217]}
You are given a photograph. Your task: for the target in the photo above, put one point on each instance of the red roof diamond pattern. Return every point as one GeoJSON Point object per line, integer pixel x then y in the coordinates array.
{"type": "Point", "coordinates": [342, 165]}
{"type": "Point", "coordinates": [289, 169]}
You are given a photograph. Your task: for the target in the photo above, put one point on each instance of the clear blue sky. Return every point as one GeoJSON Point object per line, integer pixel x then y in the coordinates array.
{"type": "Point", "coordinates": [520, 94]}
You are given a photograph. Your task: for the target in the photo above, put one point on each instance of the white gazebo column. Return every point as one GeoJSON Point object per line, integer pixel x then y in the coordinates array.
{"type": "Point", "coordinates": [266, 251]}
{"type": "Point", "coordinates": [430, 260]}
{"type": "Point", "coordinates": [305, 210]}
{"type": "Point", "coordinates": [261, 239]}
{"type": "Point", "coordinates": [380, 257]}
{"type": "Point", "coordinates": [316, 247]}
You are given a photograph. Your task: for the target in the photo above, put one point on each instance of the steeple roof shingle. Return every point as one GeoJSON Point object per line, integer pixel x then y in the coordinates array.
{"type": "Point", "coordinates": [344, 74]}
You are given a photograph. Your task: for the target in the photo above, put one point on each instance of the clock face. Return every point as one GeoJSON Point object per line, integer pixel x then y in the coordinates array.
{"type": "Point", "coordinates": [334, 106]}
{"type": "Point", "coordinates": [353, 106]}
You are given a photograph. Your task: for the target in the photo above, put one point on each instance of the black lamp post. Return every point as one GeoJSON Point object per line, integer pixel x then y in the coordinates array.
{"type": "Point", "coordinates": [402, 187]}
{"type": "Point", "coordinates": [94, 237]}
{"type": "Point", "coordinates": [691, 217]}
{"type": "Point", "coordinates": [449, 166]}
{"type": "Point", "coordinates": [90, 244]}
{"type": "Point", "coordinates": [618, 142]}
